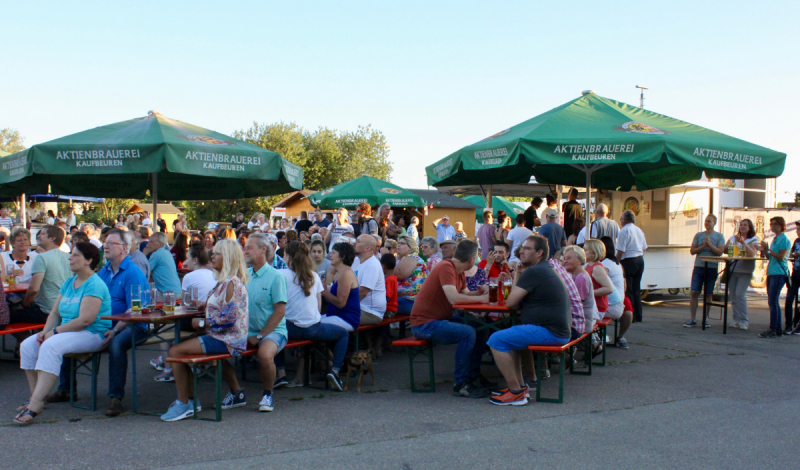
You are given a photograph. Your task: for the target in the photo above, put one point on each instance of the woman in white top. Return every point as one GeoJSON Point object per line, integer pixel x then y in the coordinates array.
{"type": "Point", "coordinates": [20, 255]}
{"type": "Point", "coordinates": [201, 275]}
{"type": "Point", "coordinates": [742, 272]}
{"type": "Point", "coordinates": [618, 279]}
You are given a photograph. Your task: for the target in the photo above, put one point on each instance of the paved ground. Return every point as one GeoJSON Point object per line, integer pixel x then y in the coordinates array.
{"type": "Point", "coordinates": [678, 398]}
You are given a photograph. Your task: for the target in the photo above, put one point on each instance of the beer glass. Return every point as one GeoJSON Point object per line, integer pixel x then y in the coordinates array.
{"type": "Point", "coordinates": [169, 302]}
{"type": "Point", "coordinates": [136, 299]}
{"type": "Point", "coordinates": [493, 284]}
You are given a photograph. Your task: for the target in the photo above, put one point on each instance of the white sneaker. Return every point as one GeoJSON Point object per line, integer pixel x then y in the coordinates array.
{"type": "Point", "coordinates": [743, 326]}
{"type": "Point", "coordinates": [736, 324]}
{"type": "Point", "coordinates": [266, 403]}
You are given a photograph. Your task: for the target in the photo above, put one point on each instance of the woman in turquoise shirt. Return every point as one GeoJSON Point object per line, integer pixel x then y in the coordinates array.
{"type": "Point", "coordinates": [73, 326]}
{"type": "Point", "coordinates": [777, 274]}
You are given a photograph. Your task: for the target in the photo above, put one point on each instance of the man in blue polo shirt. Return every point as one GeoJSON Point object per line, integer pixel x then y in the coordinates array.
{"type": "Point", "coordinates": [444, 231]}
{"type": "Point", "coordinates": [119, 275]}
{"type": "Point", "coordinates": [162, 264]}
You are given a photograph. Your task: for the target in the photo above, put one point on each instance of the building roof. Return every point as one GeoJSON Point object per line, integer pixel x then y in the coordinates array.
{"type": "Point", "coordinates": [163, 208]}
{"type": "Point", "coordinates": [293, 197]}
{"type": "Point", "coordinates": [443, 200]}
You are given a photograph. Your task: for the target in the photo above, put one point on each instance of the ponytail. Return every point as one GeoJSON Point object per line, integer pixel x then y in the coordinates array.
{"type": "Point", "coordinates": [300, 262]}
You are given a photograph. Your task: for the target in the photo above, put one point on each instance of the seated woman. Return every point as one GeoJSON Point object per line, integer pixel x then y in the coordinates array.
{"type": "Point", "coordinates": [344, 301]}
{"type": "Point", "coordinates": [73, 326]}
{"type": "Point", "coordinates": [210, 239]}
{"type": "Point", "coordinates": [179, 249]}
{"type": "Point", "coordinates": [573, 259]}
{"type": "Point", "coordinates": [20, 255]}
{"type": "Point", "coordinates": [616, 300]}
{"type": "Point", "coordinates": [411, 272]}
{"type": "Point", "coordinates": [390, 247]}
{"type": "Point", "coordinates": [303, 320]}
{"type": "Point", "coordinates": [225, 325]}
{"type": "Point", "coordinates": [430, 249]}
{"type": "Point", "coordinates": [601, 283]}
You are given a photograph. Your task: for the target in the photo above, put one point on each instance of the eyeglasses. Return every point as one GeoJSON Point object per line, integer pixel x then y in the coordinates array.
{"type": "Point", "coordinates": [114, 243]}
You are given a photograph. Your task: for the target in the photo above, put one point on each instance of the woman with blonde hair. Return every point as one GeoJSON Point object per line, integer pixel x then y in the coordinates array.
{"type": "Point", "coordinates": [228, 234]}
{"type": "Point", "coordinates": [225, 325]}
{"type": "Point", "coordinates": [411, 272]}
{"type": "Point", "coordinates": [573, 258]}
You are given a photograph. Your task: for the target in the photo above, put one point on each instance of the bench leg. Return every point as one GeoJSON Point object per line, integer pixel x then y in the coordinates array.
{"type": "Point", "coordinates": [218, 391]}
{"type": "Point", "coordinates": [602, 362]}
{"type": "Point", "coordinates": [561, 372]}
{"type": "Point", "coordinates": [92, 364]}
{"type": "Point", "coordinates": [616, 331]}
{"type": "Point", "coordinates": [427, 351]}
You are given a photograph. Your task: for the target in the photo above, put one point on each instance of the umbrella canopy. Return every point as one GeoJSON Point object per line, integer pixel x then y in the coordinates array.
{"type": "Point", "coordinates": [498, 203]}
{"type": "Point", "coordinates": [595, 141]}
{"type": "Point", "coordinates": [125, 159]}
{"type": "Point", "coordinates": [55, 198]}
{"type": "Point", "coordinates": [365, 189]}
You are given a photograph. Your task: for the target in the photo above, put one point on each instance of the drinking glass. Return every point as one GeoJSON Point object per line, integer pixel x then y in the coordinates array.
{"type": "Point", "coordinates": [136, 299]}
{"type": "Point", "coordinates": [10, 278]}
{"type": "Point", "coordinates": [169, 302]}
{"type": "Point", "coordinates": [493, 283]}
{"type": "Point", "coordinates": [151, 299]}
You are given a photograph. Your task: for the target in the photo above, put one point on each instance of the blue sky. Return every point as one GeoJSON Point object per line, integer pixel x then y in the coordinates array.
{"type": "Point", "coordinates": [432, 76]}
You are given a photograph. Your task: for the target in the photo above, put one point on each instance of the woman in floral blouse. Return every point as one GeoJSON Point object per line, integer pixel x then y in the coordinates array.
{"type": "Point", "coordinates": [225, 325]}
{"type": "Point", "coordinates": [411, 272]}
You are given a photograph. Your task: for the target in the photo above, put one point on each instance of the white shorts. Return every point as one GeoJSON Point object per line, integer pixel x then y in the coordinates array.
{"type": "Point", "coordinates": [338, 321]}
{"type": "Point", "coordinates": [48, 356]}
{"type": "Point", "coordinates": [615, 311]}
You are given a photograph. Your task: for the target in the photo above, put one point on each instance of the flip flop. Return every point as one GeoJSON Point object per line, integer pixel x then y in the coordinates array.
{"type": "Point", "coordinates": [22, 414]}
{"type": "Point", "coordinates": [25, 405]}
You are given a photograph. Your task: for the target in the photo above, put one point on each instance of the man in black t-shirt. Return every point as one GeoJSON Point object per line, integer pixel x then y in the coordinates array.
{"type": "Point", "coordinates": [303, 224]}
{"type": "Point", "coordinates": [531, 216]}
{"type": "Point", "coordinates": [572, 211]}
{"type": "Point", "coordinates": [542, 299]}
{"type": "Point", "coordinates": [238, 222]}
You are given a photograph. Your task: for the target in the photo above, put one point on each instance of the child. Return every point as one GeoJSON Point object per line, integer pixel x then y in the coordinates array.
{"type": "Point", "coordinates": [388, 262]}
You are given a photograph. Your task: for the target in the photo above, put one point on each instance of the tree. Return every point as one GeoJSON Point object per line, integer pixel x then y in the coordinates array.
{"type": "Point", "coordinates": [11, 141]}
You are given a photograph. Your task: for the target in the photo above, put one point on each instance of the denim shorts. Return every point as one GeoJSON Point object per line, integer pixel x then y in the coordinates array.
{"type": "Point", "coordinates": [699, 276]}
{"type": "Point", "coordinates": [212, 345]}
{"type": "Point", "coordinates": [276, 338]}
{"type": "Point", "coordinates": [521, 336]}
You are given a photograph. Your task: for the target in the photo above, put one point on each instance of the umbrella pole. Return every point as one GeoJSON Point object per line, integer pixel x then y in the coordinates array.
{"type": "Point", "coordinates": [489, 197]}
{"type": "Point", "coordinates": [154, 193]}
{"type": "Point", "coordinates": [588, 212]}
{"type": "Point", "coordinates": [23, 210]}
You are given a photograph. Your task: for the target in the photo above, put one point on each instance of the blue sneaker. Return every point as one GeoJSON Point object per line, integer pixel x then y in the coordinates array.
{"type": "Point", "coordinates": [178, 411]}
{"type": "Point", "coordinates": [266, 403]}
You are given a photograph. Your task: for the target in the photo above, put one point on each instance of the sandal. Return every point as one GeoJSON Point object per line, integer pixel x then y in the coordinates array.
{"type": "Point", "coordinates": [22, 407]}
{"type": "Point", "coordinates": [22, 414]}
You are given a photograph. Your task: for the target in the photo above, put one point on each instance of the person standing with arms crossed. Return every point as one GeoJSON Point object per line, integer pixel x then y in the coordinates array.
{"type": "Point", "coordinates": [631, 246]}
{"type": "Point", "coordinates": [706, 243]}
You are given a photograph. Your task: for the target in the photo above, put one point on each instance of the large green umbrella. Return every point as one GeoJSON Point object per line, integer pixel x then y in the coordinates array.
{"type": "Point", "coordinates": [365, 189]}
{"type": "Point", "coordinates": [498, 203]}
{"type": "Point", "coordinates": [174, 159]}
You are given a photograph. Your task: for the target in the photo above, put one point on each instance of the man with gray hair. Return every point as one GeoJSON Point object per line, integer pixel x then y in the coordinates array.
{"type": "Point", "coordinates": [162, 264]}
{"type": "Point", "coordinates": [136, 255]}
{"type": "Point", "coordinates": [601, 227]}
{"type": "Point", "coordinates": [556, 237]}
{"type": "Point", "coordinates": [273, 258]}
{"type": "Point", "coordinates": [89, 230]}
{"type": "Point", "coordinates": [630, 247]}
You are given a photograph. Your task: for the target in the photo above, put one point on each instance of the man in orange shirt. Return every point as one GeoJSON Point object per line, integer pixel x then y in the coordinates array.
{"type": "Point", "coordinates": [432, 318]}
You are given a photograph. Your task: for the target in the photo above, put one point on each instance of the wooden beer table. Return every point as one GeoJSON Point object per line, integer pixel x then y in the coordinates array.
{"type": "Point", "coordinates": [17, 288]}
{"type": "Point", "coordinates": [485, 309]}
{"type": "Point", "coordinates": [160, 322]}
{"type": "Point", "coordinates": [730, 263]}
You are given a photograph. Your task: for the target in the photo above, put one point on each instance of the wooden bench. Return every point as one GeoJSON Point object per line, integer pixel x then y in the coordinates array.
{"type": "Point", "coordinates": [601, 327]}
{"type": "Point", "coordinates": [215, 360]}
{"type": "Point", "coordinates": [418, 347]}
{"type": "Point", "coordinates": [561, 351]}
{"type": "Point", "coordinates": [90, 363]}
{"type": "Point", "coordinates": [12, 328]}
{"type": "Point", "coordinates": [402, 319]}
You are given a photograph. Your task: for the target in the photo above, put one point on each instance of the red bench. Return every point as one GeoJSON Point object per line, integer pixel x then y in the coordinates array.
{"type": "Point", "coordinates": [194, 360]}
{"type": "Point", "coordinates": [17, 328]}
{"type": "Point", "coordinates": [418, 347]}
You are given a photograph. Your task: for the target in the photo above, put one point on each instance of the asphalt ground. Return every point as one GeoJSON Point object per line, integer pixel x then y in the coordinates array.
{"type": "Point", "coordinates": [677, 398]}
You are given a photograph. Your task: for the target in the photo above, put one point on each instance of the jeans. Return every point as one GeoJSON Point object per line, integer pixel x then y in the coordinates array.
{"type": "Point", "coordinates": [775, 284]}
{"type": "Point", "coordinates": [634, 268]}
{"type": "Point", "coordinates": [471, 344]}
{"type": "Point", "coordinates": [117, 362]}
{"type": "Point", "coordinates": [737, 286]}
{"type": "Point", "coordinates": [324, 332]}
{"type": "Point", "coordinates": [791, 295]}
{"type": "Point", "coordinates": [404, 306]}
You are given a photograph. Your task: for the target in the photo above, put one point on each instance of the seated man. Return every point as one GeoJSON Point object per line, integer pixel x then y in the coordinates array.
{"type": "Point", "coordinates": [448, 248]}
{"type": "Point", "coordinates": [50, 270]}
{"type": "Point", "coordinates": [543, 302]}
{"type": "Point", "coordinates": [371, 283]}
{"type": "Point", "coordinates": [496, 261]}
{"type": "Point", "coordinates": [433, 311]}
{"type": "Point", "coordinates": [162, 264]}
{"type": "Point", "coordinates": [267, 324]}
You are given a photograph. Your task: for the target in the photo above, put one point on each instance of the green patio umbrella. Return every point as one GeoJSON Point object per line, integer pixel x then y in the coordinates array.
{"type": "Point", "coordinates": [594, 141]}
{"type": "Point", "coordinates": [498, 203]}
{"type": "Point", "coordinates": [365, 189]}
{"type": "Point", "coordinates": [173, 159]}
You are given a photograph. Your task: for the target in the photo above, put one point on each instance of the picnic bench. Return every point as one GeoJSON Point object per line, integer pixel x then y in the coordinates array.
{"type": "Point", "coordinates": [12, 328]}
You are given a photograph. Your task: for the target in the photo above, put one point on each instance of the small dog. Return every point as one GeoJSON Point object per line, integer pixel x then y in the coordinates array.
{"type": "Point", "coordinates": [361, 360]}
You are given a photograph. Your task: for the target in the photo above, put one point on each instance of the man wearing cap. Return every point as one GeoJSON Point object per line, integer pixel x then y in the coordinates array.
{"type": "Point", "coordinates": [553, 232]}
{"type": "Point", "coordinates": [444, 231]}
{"type": "Point", "coordinates": [448, 248]}
{"type": "Point", "coordinates": [273, 258]}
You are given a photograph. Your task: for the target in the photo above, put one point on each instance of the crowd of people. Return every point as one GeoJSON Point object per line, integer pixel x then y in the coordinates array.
{"type": "Point", "coordinates": [321, 279]}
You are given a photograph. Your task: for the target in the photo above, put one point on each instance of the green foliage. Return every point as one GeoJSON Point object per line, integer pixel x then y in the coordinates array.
{"type": "Point", "coordinates": [199, 213]}
{"type": "Point", "coordinates": [11, 141]}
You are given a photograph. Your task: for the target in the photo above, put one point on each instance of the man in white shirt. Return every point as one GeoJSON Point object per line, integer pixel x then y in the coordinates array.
{"type": "Point", "coordinates": [601, 227]}
{"type": "Point", "coordinates": [517, 236]}
{"type": "Point", "coordinates": [338, 228]}
{"type": "Point", "coordinates": [89, 230]}
{"type": "Point", "coordinates": [630, 247]}
{"type": "Point", "coordinates": [372, 286]}
{"type": "Point", "coordinates": [146, 221]}
{"type": "Point", "coordinates": [6, 222]}
{"type": "Point", "coordinates": [71, 222]}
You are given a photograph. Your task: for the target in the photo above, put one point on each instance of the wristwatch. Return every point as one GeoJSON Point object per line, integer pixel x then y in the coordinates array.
{"type": "Point", "coordinates": [202, 324]}
{"type": "Point", "coordinates": [259, 336]}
